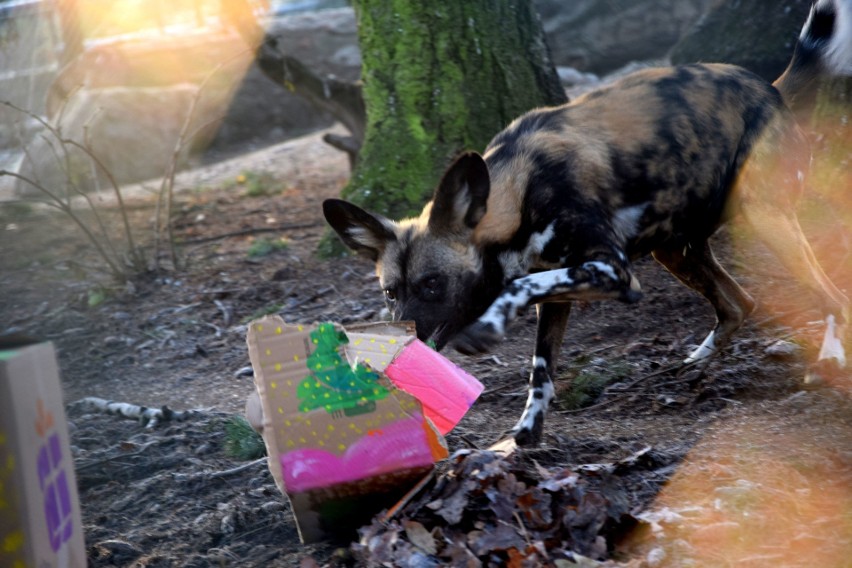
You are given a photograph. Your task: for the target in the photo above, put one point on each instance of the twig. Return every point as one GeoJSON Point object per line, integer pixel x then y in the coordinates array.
{"type": "Point", "coordinates": [150, 417]}
{"type": "Point", "coordinates": [167, 187]}
{"type": "Point", "coordinates": [116, 457]}
{"type": "Point", "coordinates": [59, 204]}
{"type": "Point", "coordinates": [238, 469]}
{"type": "Point", "coordinates": [245, 232]}
{"type": "Point", "coordinates": [227, 312]}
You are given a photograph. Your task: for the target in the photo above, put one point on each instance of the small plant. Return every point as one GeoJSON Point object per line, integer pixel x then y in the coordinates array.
{"type": "Point", "coordinates": [263, 247]}
{"type": "Point", "coordinates": [15, 210]}
{"type": "Point", "coordinates": [242, 441]}
{"type": "Point", "coordinates": [587, 381]}
{"type": "Point", "coordinates": [96, 297]}
{"type": "Point", "coordinates": [256, 184]}
{"type": "Point", "coordinates": [267, 311]}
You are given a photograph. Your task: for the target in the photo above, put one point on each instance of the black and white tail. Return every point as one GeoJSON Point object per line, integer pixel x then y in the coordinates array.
{"type": "Point", "coordinates": [824, 47]}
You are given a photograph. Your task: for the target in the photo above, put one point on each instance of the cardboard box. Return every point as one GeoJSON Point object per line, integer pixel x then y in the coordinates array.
{"type": "Point", "coordinates": [344, 441]}
{"type": "Point", "coordinates": [40, 521]}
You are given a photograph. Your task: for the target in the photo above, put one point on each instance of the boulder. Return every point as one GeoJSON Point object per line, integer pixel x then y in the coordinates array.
{"type": "Point", "coordinates": [758, 35]}
{"type": "Point", "coordinates": [599, 37]}
{"type": "Point", "coordinates": [132, 131]}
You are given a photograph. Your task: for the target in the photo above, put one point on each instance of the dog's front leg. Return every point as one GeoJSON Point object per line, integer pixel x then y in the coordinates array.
{"type": "Point", "coordinates": [552, 320]}
{"type": "Point", "coordinates": [593, 280]}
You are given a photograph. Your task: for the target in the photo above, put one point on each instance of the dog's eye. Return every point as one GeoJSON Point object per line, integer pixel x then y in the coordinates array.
{"type": "Point", "coordinates": [390, 295]}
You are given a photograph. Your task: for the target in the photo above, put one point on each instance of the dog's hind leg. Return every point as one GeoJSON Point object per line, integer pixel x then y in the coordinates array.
{"type": "Point", "coordinates": [552, 320]}
{"type": "Point", "coordinates": [697, 267]}
{"type": "Point", "coordinates": [780, 231]}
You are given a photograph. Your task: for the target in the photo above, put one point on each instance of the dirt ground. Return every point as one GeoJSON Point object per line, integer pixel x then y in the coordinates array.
{"type": "Point", "coordinates": [743, 466]}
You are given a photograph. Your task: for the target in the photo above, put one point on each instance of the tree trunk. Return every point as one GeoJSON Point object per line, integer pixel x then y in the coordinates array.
{"type": "Point", "coordinates": [439, 78]}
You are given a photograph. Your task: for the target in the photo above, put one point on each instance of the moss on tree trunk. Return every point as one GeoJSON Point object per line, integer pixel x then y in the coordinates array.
{"type": "Point", "coordinates": [441, 77]}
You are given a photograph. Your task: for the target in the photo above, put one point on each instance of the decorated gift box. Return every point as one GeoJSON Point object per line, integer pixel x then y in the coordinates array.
{"type": "Point", "coordinates": [40, 521]}
{"type": "Point", "coordinates": [352, 419]}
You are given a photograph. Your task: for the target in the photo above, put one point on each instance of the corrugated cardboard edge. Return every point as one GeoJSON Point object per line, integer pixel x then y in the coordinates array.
{"type": "Point", "coordinates": [269, 441]}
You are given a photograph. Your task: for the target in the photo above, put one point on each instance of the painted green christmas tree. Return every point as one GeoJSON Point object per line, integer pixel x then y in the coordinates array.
{"type": "Point", "coordinates": [333, 384]}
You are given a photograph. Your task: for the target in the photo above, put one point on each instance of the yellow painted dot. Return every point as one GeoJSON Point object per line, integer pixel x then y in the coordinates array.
{"type": "Point", "coordinates": [368, 361]}
{"type": "Point", "coordinates": [321, 443]}
{"type": "Point", "coordinates": [357, 342]}
{"type": "Point", "coordinates": [392, 341]}
{"type": "Point", "coordinates": [287, 423]}
{"type": "Point", "coordinates": [295, 357]}
{"type": "Point", "coordinates": [277, 366]}
{"type": "Point", "coordinates": [307, 422]}
{"type": "Point", "coordinates": [289, 383]}
{"type": "Point", "coordinates": [326, 395]}
{"type": "Point", "coordinates": [302, 441]}
{"type": "Point", "coordinates": [313, 433]}
{"type": "Point", "coordinates": [278, 330]}
{"type": "Point", "coordinates": [281, 411]}
{"type": "Point", "coordinates": [273, 385]}
{"type": "Point", "coordinates": [300, 327]}
{"type": "Point", "coordinates": [330, 427]}
{"type": "Point", "coordinates": [352, 426]}
{"type": "Point", "coordinates": [341, 446]}
{"type": "Point", "coordinates": [13, 541]}
{"type": "Point", "coordinates": [268, 351]}
{"type": "Point", "coordinates": [373, 340]}
{"type": "Point", "coordinates": [291, 444]}
{"type": "Point", "coordinates": [259, 327]}
{"type": "Point", "coordinates": [351, 383]}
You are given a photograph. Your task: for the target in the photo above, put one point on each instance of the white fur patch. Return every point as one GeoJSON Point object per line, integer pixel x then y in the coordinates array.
{"type": "Point", "coordinates": [832, 346]}
{"type": "Point", "coordinates": [506, 306]}
{"type": "Point", "coordinates": [602, 267]}
{"type": "Point", "coordinates": [516, 264]}
{"type": "Point", "coordinates": [626, 220]}
{"type": "Point", "coordinates": [706, 349]}
{"type": "Point", "coordinates": [535, 406]}
{"type": "Point", "coordinates": [539, 362]}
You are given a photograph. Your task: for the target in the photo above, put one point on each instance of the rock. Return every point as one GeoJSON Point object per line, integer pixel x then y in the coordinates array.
{"type": "Point", "coordinates": [114, 552]}
{"type": "Point", "coordinates": [783, 349]}
{"type": "Point", "coordinates": [132, 132]}
{"type": "Point", "coordinates": [759, 35]}
{"type": "Point", "coordinates": [598, 37]}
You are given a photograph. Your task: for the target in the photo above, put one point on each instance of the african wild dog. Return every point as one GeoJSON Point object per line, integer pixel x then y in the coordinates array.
{"type": "Point", "coordinates": [565, 198]}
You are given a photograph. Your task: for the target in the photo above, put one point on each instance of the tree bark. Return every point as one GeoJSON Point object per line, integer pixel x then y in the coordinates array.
{"type": "Point", "coordinates": [439, 78]}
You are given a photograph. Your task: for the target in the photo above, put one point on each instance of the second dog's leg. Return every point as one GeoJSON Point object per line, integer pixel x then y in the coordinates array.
{"type": "Point", "coordinates": [698, 268]}
{"type": "Point", "coordinates": [781, 232]}
{"type": "Point", "coordinates": [552, 320]}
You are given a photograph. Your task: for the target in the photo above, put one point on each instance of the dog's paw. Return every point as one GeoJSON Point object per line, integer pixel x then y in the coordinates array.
{"type": "Point", "coordinates": [526, 437]}
{"type": "Point", "coordinates": [477, 338]}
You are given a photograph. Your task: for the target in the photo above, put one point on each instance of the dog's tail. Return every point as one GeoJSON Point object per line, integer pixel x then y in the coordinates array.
{"type": "Point", "coordinates": [824, 47]}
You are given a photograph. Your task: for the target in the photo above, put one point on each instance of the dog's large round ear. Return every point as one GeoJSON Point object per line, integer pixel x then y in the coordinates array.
{"type": "Point", "coordinates": [363, 232]}
{"type": "Point", "coordinates": [460, 200]}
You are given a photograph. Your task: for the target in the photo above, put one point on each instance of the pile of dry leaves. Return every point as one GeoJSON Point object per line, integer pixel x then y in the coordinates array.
{"type": "Point", "coordinates": [491, 509]}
